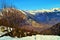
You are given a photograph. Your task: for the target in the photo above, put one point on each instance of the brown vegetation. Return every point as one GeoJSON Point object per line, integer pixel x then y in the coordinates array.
{"type": "Point", "coordinates": [16, 20]}
{"type": "Point", "coordinates": [12, 18]}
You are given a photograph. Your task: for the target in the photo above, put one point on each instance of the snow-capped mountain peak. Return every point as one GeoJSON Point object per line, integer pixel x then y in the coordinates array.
{"type": "Point", "coordinates": [44, 10]}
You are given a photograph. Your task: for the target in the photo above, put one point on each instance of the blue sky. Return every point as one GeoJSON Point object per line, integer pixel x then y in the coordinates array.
{"type": "Point", "coordinates": [34, 4]}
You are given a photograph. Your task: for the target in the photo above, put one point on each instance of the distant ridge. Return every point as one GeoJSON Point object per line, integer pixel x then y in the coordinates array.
{"type": "Point", "coordinates": [55, 29]}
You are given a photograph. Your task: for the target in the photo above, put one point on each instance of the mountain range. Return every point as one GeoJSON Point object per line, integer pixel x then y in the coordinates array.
{"type": "Point", "coordinates": [50, 17]}
{"type": "Point", "coordinates": [40, 21]}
